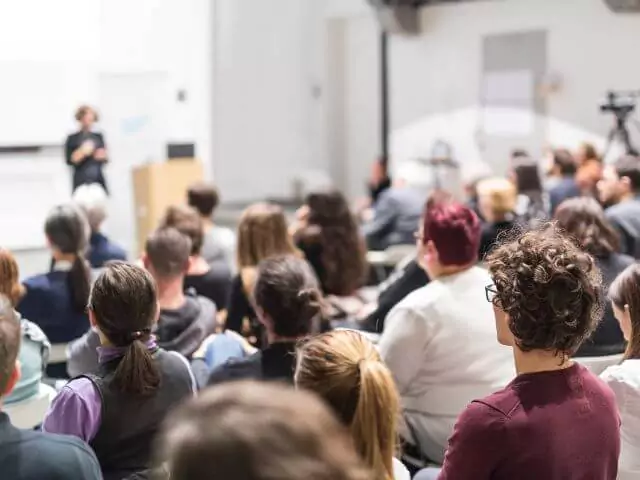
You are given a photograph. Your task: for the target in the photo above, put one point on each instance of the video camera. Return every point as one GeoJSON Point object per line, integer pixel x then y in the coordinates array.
{"type": "Point", "coordinates": [620, 104]}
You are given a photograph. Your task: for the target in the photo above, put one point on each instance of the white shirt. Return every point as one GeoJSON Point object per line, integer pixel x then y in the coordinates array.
{"type": "Point", "coordinates": [624, 380]}
{"type": "Point", "coordinates": [400, 472]}
{"type": "Point", "coordinates": [441, 346]}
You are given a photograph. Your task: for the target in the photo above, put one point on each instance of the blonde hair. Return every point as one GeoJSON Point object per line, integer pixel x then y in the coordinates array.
{"type": "Point", "coordinates": [345, 369]}
{"type": "Point", "coordinates": [262, 233]}
{"type": "Point", "coordinates": [10, 285]}
{"type": "Point", "coordinates": [500, 192]}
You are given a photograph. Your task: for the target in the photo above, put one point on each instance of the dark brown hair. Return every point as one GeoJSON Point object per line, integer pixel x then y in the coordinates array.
{"type": "Point", "coordinates": [83, 110]}
{"type": "Point", "coordinates": [629, 166]}
{"type": "Point", "coordinates": [9, 341]}
{"type": "Point", "coordinates": [187, 221]}
{"type": "Point", "coordinates": [332, 229]}
{"type": "Point", "coordinates": [590, 151]}
{"type": "Point", "coordinates": [10, 277]}
{"type": "Point", "coordinates": [168, 251]}
{"type": "Point", "coordinates": [565, 162]}
{"type": "Point", "coordinates": [204, 198]}
{"type": "Point", "coordinates": [287, 291]}
{"type": "Point", "coordinates": [67, 229]}
{"type": "Point", "coordinates": [262, 233]}
{"type": "Point", "coordinates": [625, 290]}
{"type": "Point", "coordinates": [550, 288]}
{"type": "Point", "coordinates": [257, 431]}
{"type": "Point", "coordinates": [527, 176]}
{"type": "Point", "coordinates": [124, 303]}
{"type": "Point", "coordinates": [583, 219]}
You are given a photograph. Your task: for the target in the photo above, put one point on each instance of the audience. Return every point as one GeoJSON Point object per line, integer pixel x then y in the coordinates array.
{"type": "Point", "coordinates": [219, 243]}
{"type": "Point", "coordinates": [119, 409]}
{"type": "Point", "coordinates": [590, 168]}
{"type": "Point", "coordinates": [288, 303]}
{"type": "Point", "coordinates": [497, 203]}
{"type": "Point", "coordinates": [620, 192]}
{"type": "Point", "coordinates": [624, 379]}
{"type": "Point", "coordinates": [345, 369]}
{"type": "Point", "coordinates": [34, 346]}
{"type": "Point", "coordinates": [583, 219]}
{"type": "Point", "coordinates": [439, 342]}
{"type": "Point", "coordinates": [56, 301]}
{"type": "Point", "coordinates": [327, 234]}
{"type": "Point", "coordinates": [555, 419]}
{"type": "Point", "coordinates": [27, 454]}
{"type": "Point", "coordinates": [532, 202]}
{"type": "Point", "coordinates": [262, 233]}
{"type": "Point", "coordinates": [211, 282]}
{"type": "Point", "coordinates": [563, 171]}
{"type": "Point", "coordinates": [397, 210]}
{"type": "Point", "coordinates": [185, 318]}
{"type": "Point", "coordinates": [92, 199]}
{"type": "Point", "coordinates": [256, 431]}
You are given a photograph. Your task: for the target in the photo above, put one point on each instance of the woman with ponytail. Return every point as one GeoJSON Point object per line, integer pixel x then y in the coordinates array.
{"type": "Point", "coordinates": [119, 409]}
{"type": "Point", "coordinates": [624, 379]}
{"type": "Point", "coordinates": [56, 301]}
{"type": "Point", "coordinates": [288, 303]}
{"type": "Point", "coordinates": [345, 369]}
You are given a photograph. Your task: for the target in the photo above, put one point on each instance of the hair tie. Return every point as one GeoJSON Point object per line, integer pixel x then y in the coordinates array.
{"type": "Point", "coordinates": [137, 335]}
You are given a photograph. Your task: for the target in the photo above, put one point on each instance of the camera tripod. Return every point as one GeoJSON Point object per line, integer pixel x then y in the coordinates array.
{"type": "Point", "coordinates": [620, 133]}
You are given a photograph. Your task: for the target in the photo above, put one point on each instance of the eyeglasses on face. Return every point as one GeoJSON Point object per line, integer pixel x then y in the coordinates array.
{"type": "Point", "coordinates": [491, 293]}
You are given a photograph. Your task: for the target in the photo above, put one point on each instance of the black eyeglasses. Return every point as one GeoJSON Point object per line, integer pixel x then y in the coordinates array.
{"type": "Point", "coordinates": [491, 292]}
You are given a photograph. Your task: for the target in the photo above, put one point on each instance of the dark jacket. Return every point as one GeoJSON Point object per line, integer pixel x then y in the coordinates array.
{"type": "Point", "coordinates": [103, 250]}
{"type": "Point", "coordinates": [398, 286]}
{"type": "Point", "coordinates": [491, 234]}
{"type": "Point", "coordinates": [48, 303]}
{"type": "Point", "coordinates": [608, 338]}
{"type": "Point", "coordinates": [129, 423]}
{"type": "Point", "coordinates": [182, 330]}
{"type": "Point", "coordinates": [89, 170]}
{"type": "Point", "coordinates": [214, 284]}
{"type": "Point", "coordinates": [275, 362]}
{"type": "Point", "coordinates": [396, 216]}
{"type": "Point", "coordinates": [238, 306]}
{"type": "Point", "coordinates": [625, 217]}
{"type": "Point", "coordinates": [31, 455]}
{"type": "Point", "coordinates": [567, 187]}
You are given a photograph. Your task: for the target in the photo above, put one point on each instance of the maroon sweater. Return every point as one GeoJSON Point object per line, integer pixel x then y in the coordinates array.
{"type": "Point", "coordinates": [543, 426]}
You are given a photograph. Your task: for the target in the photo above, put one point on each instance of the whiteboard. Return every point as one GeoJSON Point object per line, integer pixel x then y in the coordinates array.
{"type": "Point", "coordinates": [38, 100]}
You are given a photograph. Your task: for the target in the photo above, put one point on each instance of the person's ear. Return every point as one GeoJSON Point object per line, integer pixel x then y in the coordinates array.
{"type": "Point", "coordinates": [625, 182]}
{"type": "Point", "coordinates": [145, 260]}
{"type": "Point", "coordinates": [92, 319]}
{"type": "Point", "coordinates": [13, 380]}
{"type": "Point", "coordinates": [263, 317]}
{"type": "Point", "coordinates": [430, 251]}
{"type": "Point", "coordinates": [190, 263]}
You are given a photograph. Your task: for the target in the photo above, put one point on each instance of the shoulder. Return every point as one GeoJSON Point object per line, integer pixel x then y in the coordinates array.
{"type": "Point", "coordinates": [499, 405]}
{"type": "Point", "coordinates": [237, 369]}
{"type": "Point", "coordinates": [37, 282]}
{"type": "Point", "coordinates": [481, 420]}
{"type": "Point", "coordinates": [57, 448]}
{"type": "Point", "coordinates": [627, 373]}
{"type": "Point", "coordinates": [614, 210]}
{"type": "Point", "coordinates": [622, 261]}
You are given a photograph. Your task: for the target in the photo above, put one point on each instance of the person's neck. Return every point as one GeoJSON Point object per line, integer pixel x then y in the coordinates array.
{"type": "Point", "coordinates": [625, 197]}
{"type": "Point", "coordinates": [63, 257]}
{"type": "Point", "coordinates": [171, 293]}
{"type": "Point", "coordinates": [539, 361]}
{"type": "Point", "coordinates": [449, 270]}
{"type": "Point", "coordinates": [198, 266]}
{"type": "Point", "coordinates": [207, 223]}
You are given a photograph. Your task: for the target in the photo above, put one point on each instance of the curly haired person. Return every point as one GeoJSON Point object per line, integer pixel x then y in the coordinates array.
{"type": "Point", "coordinates": [555, 420]}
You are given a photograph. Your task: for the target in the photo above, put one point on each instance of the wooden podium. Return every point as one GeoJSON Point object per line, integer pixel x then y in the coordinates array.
{"type": "Point", "coordinates": [157, 186]}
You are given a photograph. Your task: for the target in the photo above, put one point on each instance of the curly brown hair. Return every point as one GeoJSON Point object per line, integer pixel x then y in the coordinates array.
{"type": "Point", "coordinates": [333, 232]}
{"type": "Point", "coordinates": [551, 290]}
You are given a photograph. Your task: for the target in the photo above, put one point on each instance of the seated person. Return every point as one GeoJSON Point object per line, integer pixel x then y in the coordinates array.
{"type": "Point", "coordinates": [276, 433]}
{"type": "Point", "coordinates": [34, 346]}
{"type": "Point", "coordinates": [185, 319]}
{"type": "Point", "coordinates": [397, 210]}
{"type": "Point", "coordinates": [288, 303]}
{"type": "Point", "coordinates": [624, 379]}
{"type": "Point", "coordinates": [262, 233]}
{"type": "Point", "coordinates": [119, 409]}
{"type": "Point", "coordinates": [619, 191]}
{"type": "Point", "coordinates": [562, 172]}
{"type": "Point", "coordinates": [219, 243]}
{"type": "Point", "coordinates": [92, 199]}
{"type": "Point", "coordinates": [439, 342]}
{"type": "Point", "coordinates": [211, 282]}
{"type": "Point", "coordinates": [27, 454]}
{"type": "Point", "coordinates": [497, 202]}
{"type": "Point", "coordinates": [555, 419]}
{"type": "Point", "coordinates": [590, 168]}
{"type": "Point", "coordinates": [56, 301]}
{"type": "Point", "coordinates": [583, 219]}
{"type": "Point", "coordinates": [345, 369]}
{"type": "Point", "coordinates": [327, 234]}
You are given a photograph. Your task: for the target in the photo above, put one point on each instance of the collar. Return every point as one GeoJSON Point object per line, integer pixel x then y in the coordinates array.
{"type": "Point", "coordinates": [61, 266]}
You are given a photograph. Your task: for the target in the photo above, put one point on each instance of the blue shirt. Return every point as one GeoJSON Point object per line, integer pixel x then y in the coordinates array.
{"type": "Point", "coordinates": [103, 250]}
{"type": "Point", "coordinates": [48, 303]}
